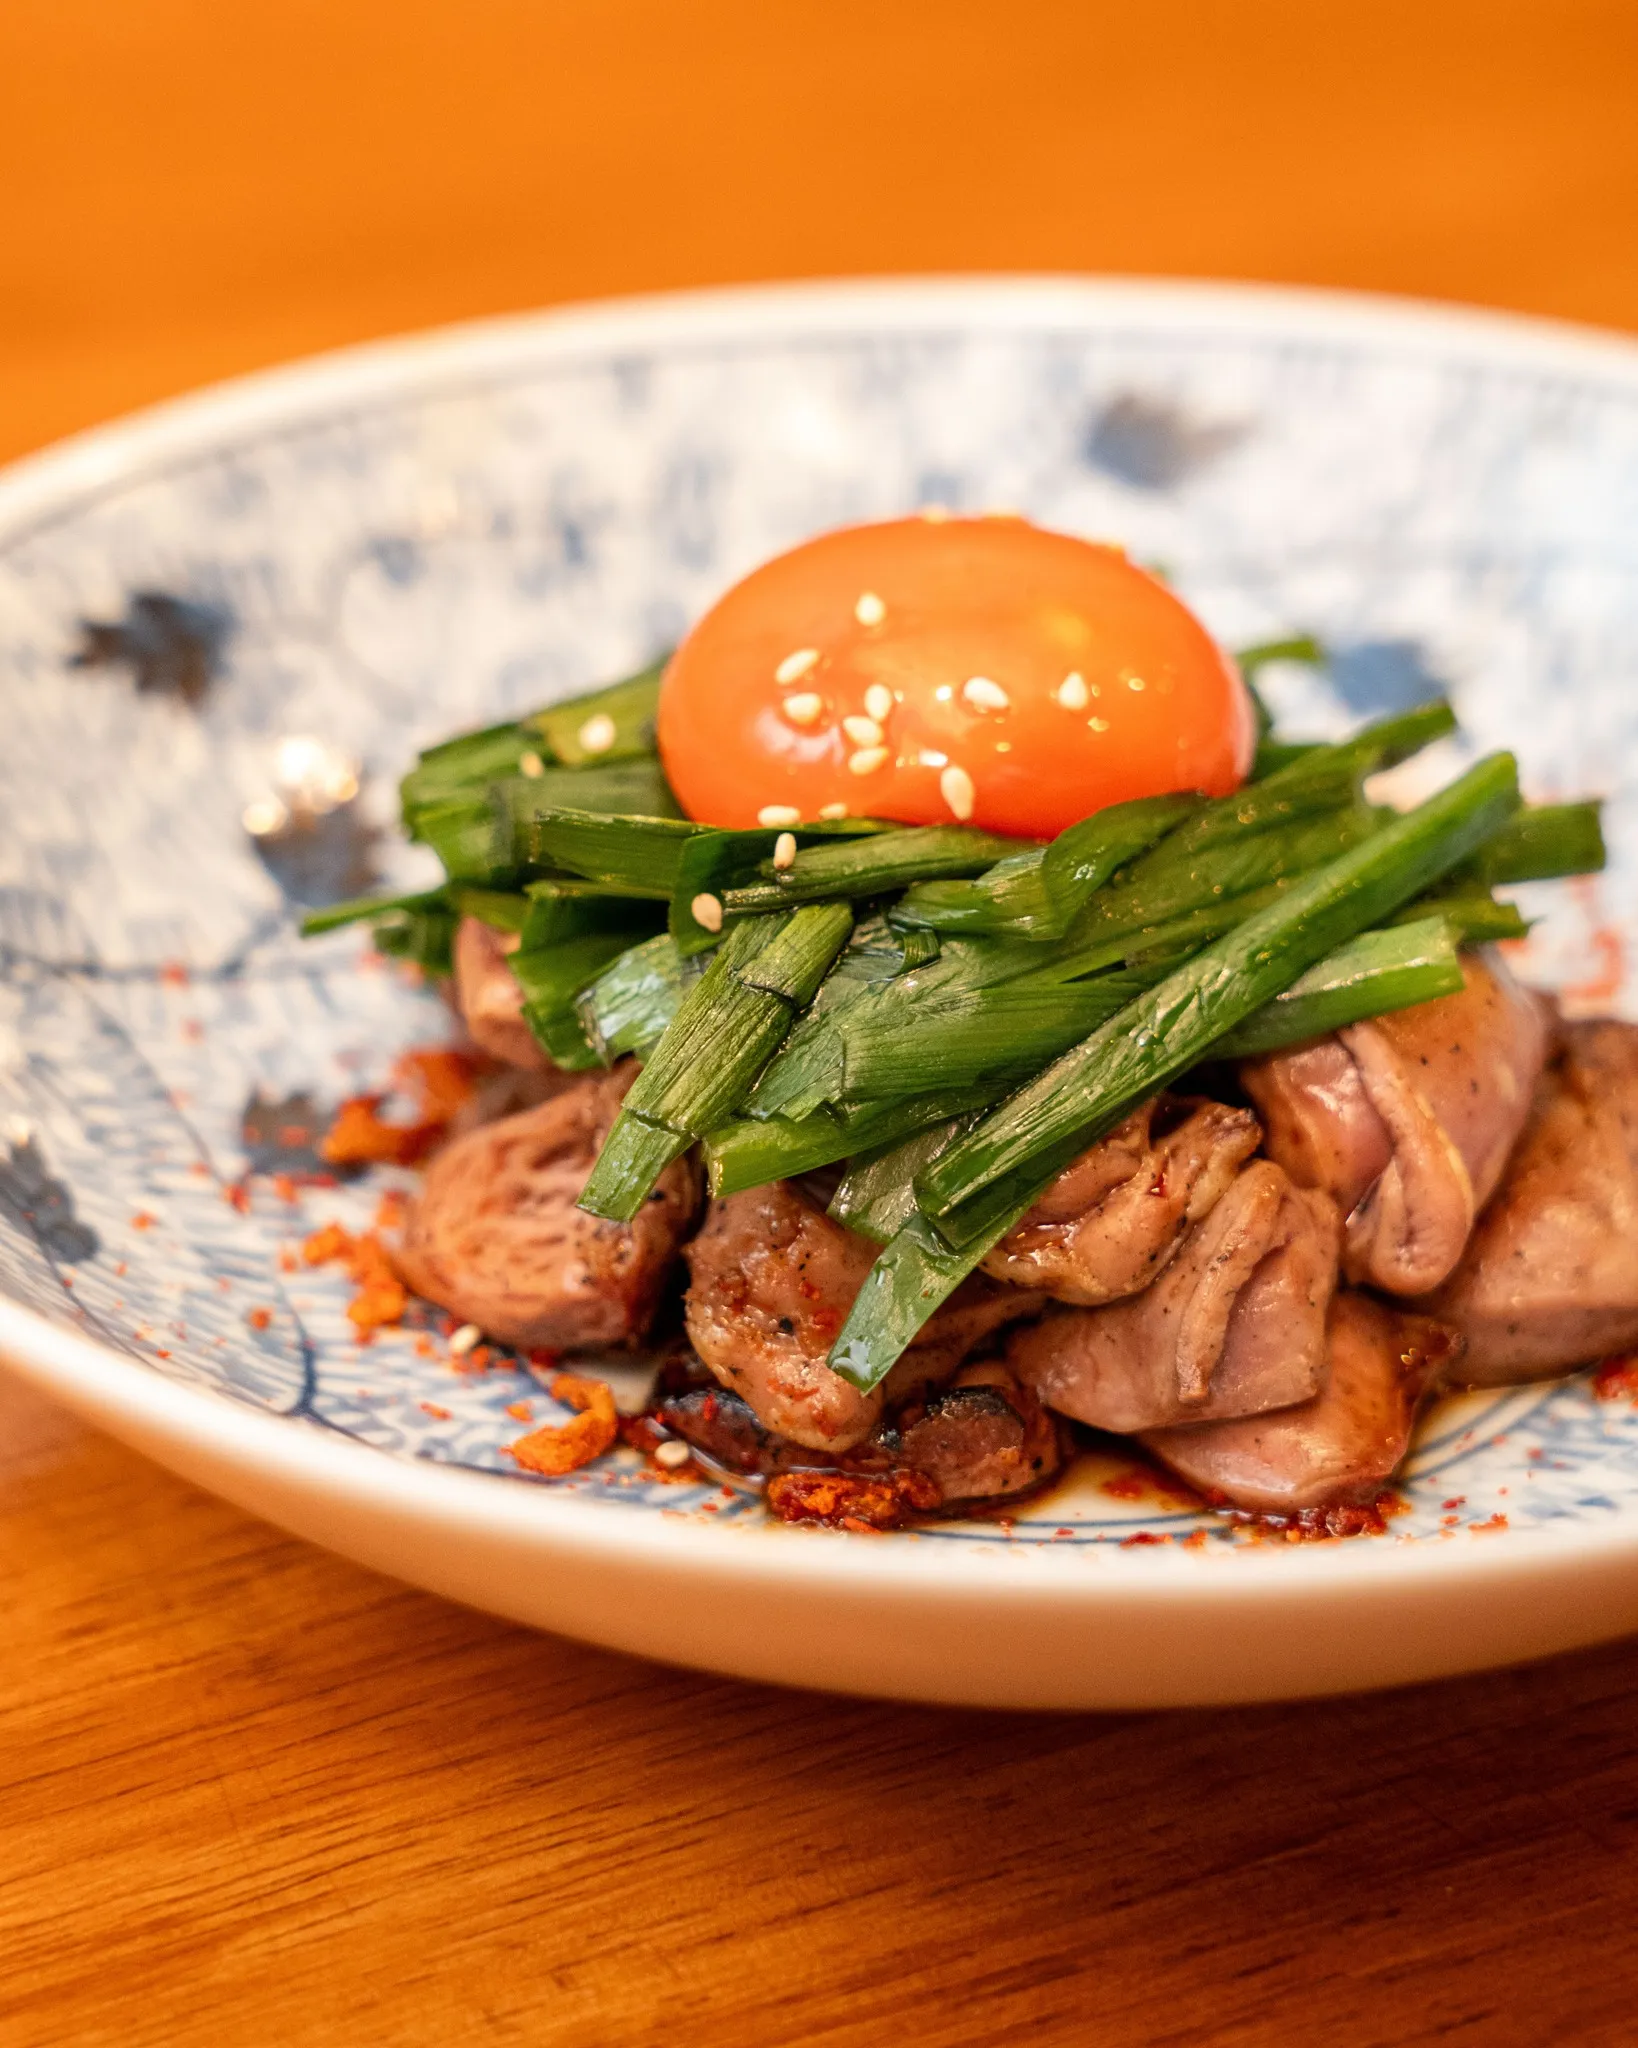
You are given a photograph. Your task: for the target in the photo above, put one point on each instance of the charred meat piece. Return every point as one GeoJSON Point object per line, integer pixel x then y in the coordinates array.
{"type": "Point", "coordinates": [983, 1437]}
{"type": "Point", "coordinates": [1341, 1445]}
{"type": "Point", "coordinates": [1549, 1279]}
{"type": "Point", "coordinates": [722, 1426]}
{"type": "Point", "coordinates": [494, 1235]}
{"type": "Point", "coordinates": [489, 998]}
{"type": "Point", "coordinates": [1110, 1222]}
{"type": "Point", "coordinates": [1407, 1121]}
{"type": "Point", "coordinates": [1235, 1325]}
{"type": "Point", "coordinates": [773, 1279]}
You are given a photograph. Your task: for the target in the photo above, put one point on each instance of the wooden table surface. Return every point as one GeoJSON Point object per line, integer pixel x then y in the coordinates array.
{"type": "Point", "coordinates": [253, 1794]}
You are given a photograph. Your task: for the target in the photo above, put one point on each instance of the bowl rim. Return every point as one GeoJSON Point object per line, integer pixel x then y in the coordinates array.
{"type": "Point", "coordinates": [39, 486]}
{"type": "Point", "coordinates": [141, 1404]}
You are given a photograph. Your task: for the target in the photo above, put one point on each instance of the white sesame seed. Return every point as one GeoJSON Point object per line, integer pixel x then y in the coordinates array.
{"type": "Point", "coordinates": [803, 708]}
{"type": "Point", "coordinates": [1072, 691]}
{"type": "Point", "coordinates": [795, 666]}
{"type": "Point", "coordinates": [955, 785]}
{"type": "Point", "coordinates": [672, 1455]}
{"type": "Point", "coordinates": [597, 735]}
{"type": "Point", "coordinates": [465, 1339]}
{"type": "Point", "coordinates": [879, 702]}
{"type": "Point", "coordinates": [1098, 724]}
{"type": "Point", "coordinates": [707, 911]}
{"type": "Point", "coordinates": [779, 814]}
{"type": "Point", "coordinates": [944, 692]}
{"type": "Point", "coordinates": [1134, 682]}
{"type": "Point", "coordinates": [867, 760]}
{"type": "Point", "coordinates": [833, 811]}
{"type": "Point", "coordinates": [869, 609]}
{"type": "Point", "coordinates": [983, 695]}
{"type": "Point", "coordinates": [863, 732]}
{"type": "Point", "coordinates": [931, 758]}
{"type": "Point", "coordinates": [531, 765]}
{"type": "Point", "coordinates": [785, 850]}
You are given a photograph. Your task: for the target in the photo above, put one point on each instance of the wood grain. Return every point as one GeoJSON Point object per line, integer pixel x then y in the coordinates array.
{"type": "Point", "coordinates": [252, 1794]}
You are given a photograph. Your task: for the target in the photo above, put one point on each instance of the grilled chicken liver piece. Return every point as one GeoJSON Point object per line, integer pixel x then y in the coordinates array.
{"type": "Point", "coordinates": [494, 1235]}
{"type": "Point", "coordinates": [1111, 1221]}
{"type": "Point", "coordinates": [1343, 1444]}
{"type": "Point", "coordinates": [980, 1438]}
{"type": "Point", "coordinates": [983, 1436]}
{"type": "Point", "coordinates": [773, 1278]}
{"type": "Point", "coordinates": [1407, 1121]}
{"type": "Point", "coordinates": [1549, 1279]}
{"type": "Point", "coordinates": [489, 998]}
{"type": "Point", "coordinates": [1235, 1325]}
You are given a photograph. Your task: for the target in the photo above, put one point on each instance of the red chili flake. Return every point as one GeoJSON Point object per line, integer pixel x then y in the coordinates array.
{"type": "Point", "coordinates": [121, 1270]}
{"type": "Point", "coordinates": [1196, 1539]}
{"type": "Point", "coordinates": [192, 1030]}
{"type": "Point", "coordinates": [1148, 1482]}
{"type": "Point", "coordinates": [1495, 1522]}
{"type": "Point", "coordinates": [173, 974]}
{"type": "Point", "coordinates": [843, 1499]}
{"type": "Point", "coordinates": [237, 1196]}
{"type": "Point", "coordinates": [160, 1351]}
{"type": "Point", "coordinates": [431, 1408]}
{"type": "Point", "coordinates": [1322, 1525]}
{"type": "Point", "coordinates": [390, 1210]}
{"type": "Point", "coordinates": [381, 1296]}
{"type": "Point", "coordinates": [286, 1190]}
{"type": "Point", "coordinates": [360, 1136]}
{"type": "Point", "coordinates": [1457, 1500]}
{"type": "Point", "coordinates": [558, 1448]}
{"type": "Point", "coordinates": [144, 1219]}
{"type": "Point", "coordinates": [439, 1078]}
{"type": "Point", "coordinates": [288, 1262]}
{"type": "Point", "coordinates": [424, 1346]}
{"type": "Point", "coordinates": [380, 1300]}
{"type": "Point", "coordinates": [259, 1318]}
{"type": "Point", "coordinates": [1140, 1536]}
{"type": "Point", "coordinates": [520, 1411]}
{"type": "Point", "coordinates": [1617, 1378]}
{"type": "Point", "coordinates": [323, 1245]}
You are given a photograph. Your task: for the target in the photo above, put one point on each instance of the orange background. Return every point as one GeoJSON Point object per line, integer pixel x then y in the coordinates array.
{"type": "Point", "coordinates": [250, 1793]}
{"type": "Point", "coordinates": [194, 189]}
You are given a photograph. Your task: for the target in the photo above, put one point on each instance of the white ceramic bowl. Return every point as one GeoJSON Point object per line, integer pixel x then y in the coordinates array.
{"type": "Point", "coordinates": [385, 545]}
